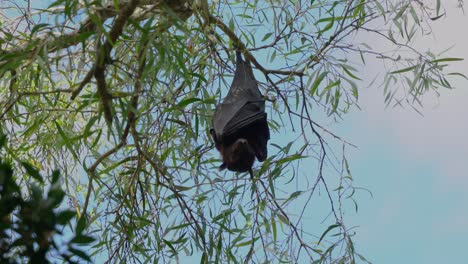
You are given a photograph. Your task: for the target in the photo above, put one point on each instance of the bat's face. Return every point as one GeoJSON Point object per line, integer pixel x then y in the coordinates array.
{"type": "Point", "coordinates": [240, 146]}
{"type": "Point", "coordinates": [239, 156]}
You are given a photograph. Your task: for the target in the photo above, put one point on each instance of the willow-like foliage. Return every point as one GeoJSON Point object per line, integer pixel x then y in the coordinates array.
{"type": "Point", "coordinates": [119, 96]}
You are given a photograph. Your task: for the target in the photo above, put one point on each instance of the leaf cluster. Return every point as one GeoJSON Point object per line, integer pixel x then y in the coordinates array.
{"type": "Point", "coordinates": [29, 223]}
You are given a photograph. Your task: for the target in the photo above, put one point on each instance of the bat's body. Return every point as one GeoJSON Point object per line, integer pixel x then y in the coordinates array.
{"type": "Point", "coordinates": [240, 127]}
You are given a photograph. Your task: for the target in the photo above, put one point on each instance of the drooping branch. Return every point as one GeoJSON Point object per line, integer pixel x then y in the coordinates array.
{"type": "Point", "coordinates": [103, 58]}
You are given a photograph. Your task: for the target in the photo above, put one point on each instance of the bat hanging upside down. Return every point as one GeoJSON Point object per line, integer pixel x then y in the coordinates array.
{"type": "Point", "coordinates": [240, 128]}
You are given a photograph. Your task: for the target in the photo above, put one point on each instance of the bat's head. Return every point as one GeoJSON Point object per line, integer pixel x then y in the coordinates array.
{"type": "Point", "coordinates": [239, 156]}
{"type": "Point", "coordinates": [241, 148]}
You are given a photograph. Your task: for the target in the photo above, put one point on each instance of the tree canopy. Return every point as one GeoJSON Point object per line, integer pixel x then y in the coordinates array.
{"type": "Point", "coordinates": [119, 96]}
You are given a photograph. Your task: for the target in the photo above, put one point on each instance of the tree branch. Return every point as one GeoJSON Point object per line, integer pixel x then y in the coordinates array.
{"type": "Point", "coordinates": [53, 42]}
{"type": "Point", "coordinates": [237, 42]}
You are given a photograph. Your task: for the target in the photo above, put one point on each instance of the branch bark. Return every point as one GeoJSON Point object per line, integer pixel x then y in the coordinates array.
{"type": "Point", "coordinates": [146, 9]}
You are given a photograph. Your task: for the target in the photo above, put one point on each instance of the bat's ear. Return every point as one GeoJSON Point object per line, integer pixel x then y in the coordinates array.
{"type": "Point", "coordinates": [222, 167]}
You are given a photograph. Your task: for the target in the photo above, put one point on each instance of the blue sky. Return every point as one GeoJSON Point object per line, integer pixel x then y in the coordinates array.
{"type": "Point", "coordinates": [415, 166]}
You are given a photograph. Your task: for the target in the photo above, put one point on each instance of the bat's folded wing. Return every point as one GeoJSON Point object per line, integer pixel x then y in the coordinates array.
{"type": "Point", "coordinates": [236, 121]}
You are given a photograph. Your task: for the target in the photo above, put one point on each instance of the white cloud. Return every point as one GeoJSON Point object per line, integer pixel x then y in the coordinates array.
{"type": "Point", "coordinates": [441, 135]}
{"type": "Point", "coordinates": [415, 166]}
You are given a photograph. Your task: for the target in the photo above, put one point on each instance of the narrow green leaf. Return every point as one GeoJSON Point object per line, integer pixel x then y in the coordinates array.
{"type": "Point", "coordinates": [328, 87]}
{"type": "Point", "coordinates": [246, 243]}
{"type": "Point", "coordinates": [380, 8]}
{"type": "Point", "coordinates": [414, 15]}
{"type": "Point", "coordinates": [66, 139]}
{"type": "Point", "coordinates": [283, 218]}
{"type": "Point", "coordinates": [273, 56]}
{"type": "Point", "coordinates": [188, 101]}
{"type": "Point", "coordinates": [447, 60]}
{"type": "Point", "coordinates": [290, 158]}
{"type": "Point", "coordinates": [182, 123]}
{"type": "Point", "coordinates": [326, 28]}
{"type": "Point", "coordinates": [328, 230]}
{"type": "Point", "coordinates": [437, 17]}
{"type": "Point", "coordinates": [401, 12]}
{"type": "Point", "coordinates": [363, 258]}
{"type": "Point", "coordinates": [267, 36]}
{"type": "Point", "coordinates": [317, 82]}
{"type": "Point", "coordinates": [351, 74]}
{"type": "Point", "coordinates": [182, 188]}
{"type": "Point", "coordinates": [169, 244]}
{"type": "Point", "coordinates": [38, 27]}
{"type": "Point", "coordinates": [293, 196]}
{"type": "Point", "coordinates": [404, 70]}
{"type": "Point", "coordinates": [273, 228]}
{"type": "Point", "coordinates": [31, 171]}
{"type": "Point", "coordinates": [178, 226]}
{"type": "Point", "coordinates": [89, 125]}
{"type": "Point", "coordinates": [458, 74]}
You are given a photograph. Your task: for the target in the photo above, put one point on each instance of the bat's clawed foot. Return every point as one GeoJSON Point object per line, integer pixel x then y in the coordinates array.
{"type": "Point", "coordinates": [251, 174]}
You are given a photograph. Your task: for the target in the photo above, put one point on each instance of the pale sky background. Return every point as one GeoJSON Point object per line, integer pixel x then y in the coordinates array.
{"type": "Point", "coordinates": [416, 167]}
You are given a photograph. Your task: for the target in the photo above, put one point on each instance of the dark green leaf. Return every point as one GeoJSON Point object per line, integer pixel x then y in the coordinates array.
{"type": "Point", "coordinates": [80, 254]}
{"type": "Point", "coordinates": [328, 230]}
{"type": "Point", "coordinates": [55, 176]}
{"type": "Point", "coordinates": [33, 172]}
{"type": "Point", "coordinates": [267, 35]}
{"type": "Point", "coordinates": [82, 239]}
{"type": "Point", "coordinates": [65, 216]}
{"type": "Point", "coordinates": [81, 225]}
{"type": "Point", "coordinates": [186, 102]}
{"type": "Point", "coordinates": [38, 27]}
{"type": "Point", "coordinates": [3, 140]}
{"type": "Point", "coordinates": [204, 258]}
